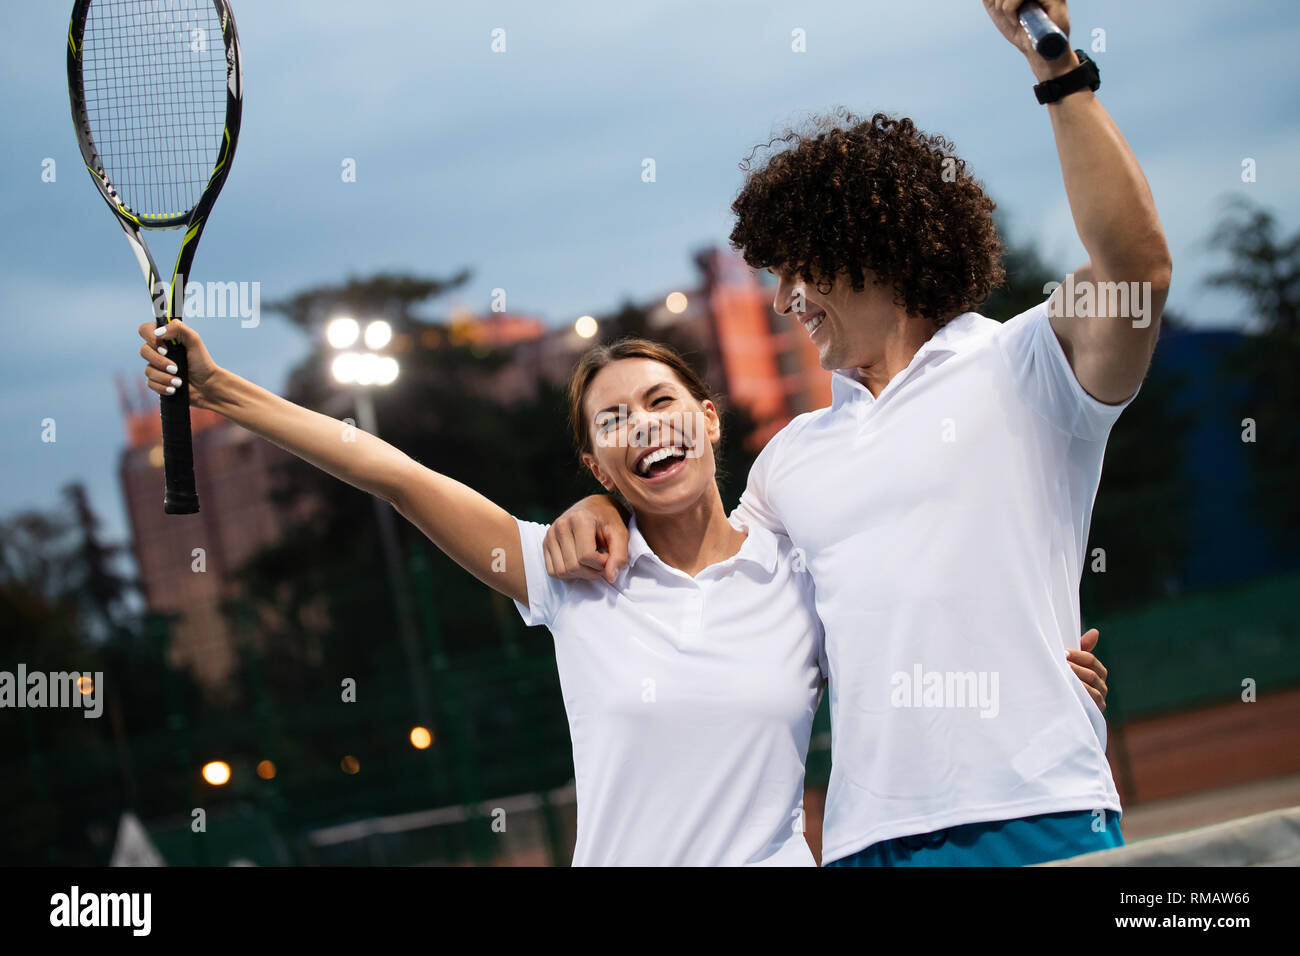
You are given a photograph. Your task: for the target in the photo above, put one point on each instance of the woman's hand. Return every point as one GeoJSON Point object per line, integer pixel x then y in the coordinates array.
{"type": "Point", "coordinates": [1088, 668]}
{"type": "Point", "coordinates": [161, 371]}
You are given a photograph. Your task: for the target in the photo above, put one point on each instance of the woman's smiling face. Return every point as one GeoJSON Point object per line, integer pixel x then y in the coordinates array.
{"type": "Point", "coordinates": [652, 440]}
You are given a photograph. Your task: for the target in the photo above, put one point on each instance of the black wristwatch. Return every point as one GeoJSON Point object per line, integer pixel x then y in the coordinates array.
{"type": "Point", "coordinates": [1085, 74]}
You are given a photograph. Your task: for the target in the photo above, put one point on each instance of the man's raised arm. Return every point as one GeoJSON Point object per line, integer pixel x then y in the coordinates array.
{"type": "Point", "coordinates": [1107, 315]}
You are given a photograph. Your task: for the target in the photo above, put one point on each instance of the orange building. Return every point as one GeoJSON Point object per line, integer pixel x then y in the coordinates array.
{"type": "Point", "coordinates": [769, 363]}
{"type": "Point", "coordinates": [754, 357]}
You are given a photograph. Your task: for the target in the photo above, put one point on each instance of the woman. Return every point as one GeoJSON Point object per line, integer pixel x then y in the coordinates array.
{"type": "Point", "coordinates": [691, 681]}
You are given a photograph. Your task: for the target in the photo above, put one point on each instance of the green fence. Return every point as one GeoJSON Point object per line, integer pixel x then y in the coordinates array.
{"type": "Point", "coordinates": [1198, 649]}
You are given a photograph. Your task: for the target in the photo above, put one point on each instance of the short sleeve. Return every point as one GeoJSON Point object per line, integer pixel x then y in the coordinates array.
{"type": "Point", "coordinates": [755, 507]}
{"type": "Point", "coordinates": [545, 593]}
{"type": "Point", "coordinates": [1046, 381]}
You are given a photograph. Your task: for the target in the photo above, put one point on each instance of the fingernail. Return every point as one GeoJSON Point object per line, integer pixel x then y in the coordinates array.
{"type": "Point", "coordinates": [160, 330]}
{"type": "Point", "coordinates": [176, 382]}
{"type": "Point", "coordinates": [162, 350]}
{"type": "Point", "coordinates": [173, 369]}
{"type": "Point", "coordinates": [170, 390]}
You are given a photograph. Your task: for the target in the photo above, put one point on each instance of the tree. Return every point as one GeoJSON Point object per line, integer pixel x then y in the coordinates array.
{"type": "Point", "coordinates": [100, 588]}
{"type": "Point", "coordinates": [1263, 266]}
{"type": "Point", "coordinates": [65, 608]}
{"type": "Point", "coordinates": [391, 295]}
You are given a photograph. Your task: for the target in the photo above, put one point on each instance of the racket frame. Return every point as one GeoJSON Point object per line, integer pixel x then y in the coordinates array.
{"type": "Point", "coordinates": [181, 496]}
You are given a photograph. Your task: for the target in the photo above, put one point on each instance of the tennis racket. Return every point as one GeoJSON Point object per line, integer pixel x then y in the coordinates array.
{"type": "Point", "coordinates": [156, 89]}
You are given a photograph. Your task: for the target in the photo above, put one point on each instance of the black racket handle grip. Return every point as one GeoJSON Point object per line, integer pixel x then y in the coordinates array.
{"type": "Point", "coordinates": [1049, 42]}
{"type": "Point", "coordinates": [181, 497]}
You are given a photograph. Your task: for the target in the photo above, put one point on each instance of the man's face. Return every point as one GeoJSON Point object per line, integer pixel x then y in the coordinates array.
{"type": "Point", "coordinates": [848, 327]}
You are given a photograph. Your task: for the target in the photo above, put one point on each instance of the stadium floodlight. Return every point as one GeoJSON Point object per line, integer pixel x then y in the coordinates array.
{"type": "Point", "coordinates": [386, 370]}
{"type": "Point", "coordinates": [378, 334]}
{"type": "Point", "coordinates": [342, 332]}
{"type": "Point", "coordinates": [345, 367]}
{"type": "Point", "coordinates": [361, 368]}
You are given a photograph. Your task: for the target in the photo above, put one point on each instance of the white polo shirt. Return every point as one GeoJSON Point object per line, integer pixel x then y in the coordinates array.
{"type": "Point", "coordinates": [690, 703]}
{"type": "Point", "coordinates": [945, 524]}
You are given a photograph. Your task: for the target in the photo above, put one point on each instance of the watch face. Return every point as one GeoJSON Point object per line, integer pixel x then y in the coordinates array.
{"type": "Point", "coordinates": [1089, 68]}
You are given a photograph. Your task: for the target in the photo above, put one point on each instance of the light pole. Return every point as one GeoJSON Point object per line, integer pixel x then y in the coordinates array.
{"type": "Point", "coordinates": [365, 370]}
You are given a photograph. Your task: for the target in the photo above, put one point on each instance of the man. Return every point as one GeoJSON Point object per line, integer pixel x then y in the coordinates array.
{"type": "Point", "coordinates": [942, 501]}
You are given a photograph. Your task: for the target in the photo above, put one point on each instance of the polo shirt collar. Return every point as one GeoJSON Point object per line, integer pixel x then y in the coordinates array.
{"type": "Point", "coordinates": [760, 546]}
{"type": "Point", "coordinates": [637, 547]}
{"type": "Point", "coordinates": [949, 339]}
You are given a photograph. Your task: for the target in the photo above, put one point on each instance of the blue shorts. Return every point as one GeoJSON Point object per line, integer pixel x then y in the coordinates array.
{"type": "Point", "coordinates": [1037, 839]}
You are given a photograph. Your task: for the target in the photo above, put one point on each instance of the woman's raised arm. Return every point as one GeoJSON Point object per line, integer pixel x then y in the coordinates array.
{"type": "Point", "coordinates": [474, 532]}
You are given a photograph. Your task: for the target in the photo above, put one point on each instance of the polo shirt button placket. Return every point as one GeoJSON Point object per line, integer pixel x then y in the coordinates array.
{"type": "Point", "coordinates": [861, 417]}
{"type": "Point", "coordinates": [693, 617]}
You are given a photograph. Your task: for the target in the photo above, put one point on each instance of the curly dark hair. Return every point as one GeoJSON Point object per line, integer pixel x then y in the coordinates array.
{"type": "Point", "coordinates": [879, 195]}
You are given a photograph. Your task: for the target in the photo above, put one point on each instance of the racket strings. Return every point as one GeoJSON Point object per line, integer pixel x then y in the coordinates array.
{"type": "Point", "coordinates": [154, 82]}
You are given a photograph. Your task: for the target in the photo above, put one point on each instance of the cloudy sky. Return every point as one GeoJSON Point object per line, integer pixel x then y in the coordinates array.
{"type": "Point", "coordinates": [524, 166]}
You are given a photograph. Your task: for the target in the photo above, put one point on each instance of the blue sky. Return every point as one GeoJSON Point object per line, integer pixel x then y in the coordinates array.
{"type": "Point", "coordinates": [525, 166]}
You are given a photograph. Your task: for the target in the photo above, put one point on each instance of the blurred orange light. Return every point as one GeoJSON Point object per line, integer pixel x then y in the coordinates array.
{"type": "Point", "coordinates": [217, 773]}
{"type": "Point", "coordinates": [350, 764]}
{"type": "Point", "coordinates": [86, 685]}
{"type": "Point", "coordinates": [420, 738]}
{"type": "Point", "coordinates": [266, 770]}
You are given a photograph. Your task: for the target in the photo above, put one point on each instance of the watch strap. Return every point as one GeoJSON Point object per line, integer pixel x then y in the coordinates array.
{"type": "Point", "coordinates": [1084, 76]}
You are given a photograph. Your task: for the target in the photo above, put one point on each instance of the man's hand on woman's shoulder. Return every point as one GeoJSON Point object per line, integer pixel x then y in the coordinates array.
{"type": "Point", "coordinates": [588, 542]}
